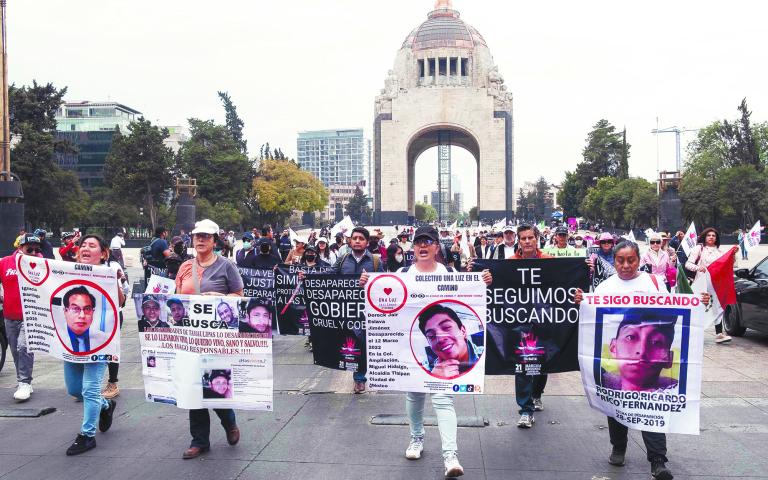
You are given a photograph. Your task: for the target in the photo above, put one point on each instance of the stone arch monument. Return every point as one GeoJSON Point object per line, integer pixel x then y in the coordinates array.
{"type": "Point", "coordinates": [444, 89]}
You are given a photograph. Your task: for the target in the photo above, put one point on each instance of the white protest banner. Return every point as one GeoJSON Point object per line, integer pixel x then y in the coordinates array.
{"type": "Point", "coordinates": [752, 239]}
{"type": "Point", "coordinates": [426, 332]}
{"type": "Point", "coordinates": [640, 356]}
{"type": "Point", "coordinates": [160, 285]}
{"type": "Point", "coordinates": [70, 309]}
{"type": "Point", "coordinates": [205, 351]}
{"type": "Point", "coordinates": [689, 240]}
{"type": "Point", "coordinates": [630, 236]}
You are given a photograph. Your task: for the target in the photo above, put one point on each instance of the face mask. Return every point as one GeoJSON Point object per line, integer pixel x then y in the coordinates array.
{"type": "Point", "coordinates": [399, 258]}
{"type": "Point", "coordinates": [579, 243]}
{"type": "Point", "coordinates": [311, 258]}
{"type": "Point", "coordinates": [179, 249]}
{"type": "Point", "coordinates": [247, 245]}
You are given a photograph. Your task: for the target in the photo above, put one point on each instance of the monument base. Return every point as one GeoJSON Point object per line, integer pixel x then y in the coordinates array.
{"type": "Point", "coordinates": [11, 215]}
{"type": "Point", "coordinates": [185, 213]}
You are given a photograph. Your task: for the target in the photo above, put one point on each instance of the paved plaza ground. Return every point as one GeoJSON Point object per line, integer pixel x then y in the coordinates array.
{"type": "Point", "coordinates": [320, 430]}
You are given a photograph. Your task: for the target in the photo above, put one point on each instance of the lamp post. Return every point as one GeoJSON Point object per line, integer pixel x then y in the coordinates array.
{"type": "Point", "coordinates": [11, 209]}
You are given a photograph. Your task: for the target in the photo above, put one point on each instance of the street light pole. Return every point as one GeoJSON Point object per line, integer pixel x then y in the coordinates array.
{"type": "Point", "coordinates": [5, 173]}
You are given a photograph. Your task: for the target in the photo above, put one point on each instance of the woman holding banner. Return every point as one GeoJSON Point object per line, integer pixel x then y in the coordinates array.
{"type": "Point", "coordinates": [629, 279]}
{"type": "Point", "coordinates": [83, 380]}
{"type": "Point", "coordinates": [426, 245]}
{"type": "Point", "coordinates": [208, 274]}
{"type": "Point", "coordinates": [702, 256]}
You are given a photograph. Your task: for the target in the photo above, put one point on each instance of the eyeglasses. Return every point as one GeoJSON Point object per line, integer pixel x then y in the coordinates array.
{"type": "Point", "coordinates": [424, 241]}
{"type": "Point", "coordinates": [655, 242]}
{"type": "Point", "coordinates": [203, 236]}
{"type": "Point", "coordinates": [77, 310]}
{"type": "Point", "coordinates": [32, 251]}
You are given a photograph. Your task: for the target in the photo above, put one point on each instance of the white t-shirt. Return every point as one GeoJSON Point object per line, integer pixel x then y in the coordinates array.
{"type": "Point", "coordinates": [116, 243]}
{"type": "Point", "coordinates": [641, 283]}
{"type": "Point", "coordinates": [412, 269]}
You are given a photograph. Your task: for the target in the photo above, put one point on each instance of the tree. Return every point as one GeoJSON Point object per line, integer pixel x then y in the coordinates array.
{"type": "Point", "coordinates": [473, 214]}
{"type": "Point", "coordinates": [233, 122]}
{"type": "Point", "coordinates": [280, 187]}
{"type": "Point", "coordinates": [225, 214]}
{"type": "Point", "coordinates": [626, 203]}
{"type": "Point", "coordinates": [568, 197]}
{"type": "Point", "coordinates": [357, 208]}
{"type": "Point", "coordinates": [523, 200]}
{"type": "Point", "coordinates": [53, 197]}
{"type": "Point", "coordinates": [425, 213]}
{"type": "Point", "coordinates": [139, 167]}
{"type": "Point", "coordinates": [213, 157]}
{"type": "Point", "coordinates": [741, 147]}
{"type": "Point", "coordinates": [539, 196]}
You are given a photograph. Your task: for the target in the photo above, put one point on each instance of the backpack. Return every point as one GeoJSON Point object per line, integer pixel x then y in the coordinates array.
{"type": "Point", "coordinates": [146, 251]}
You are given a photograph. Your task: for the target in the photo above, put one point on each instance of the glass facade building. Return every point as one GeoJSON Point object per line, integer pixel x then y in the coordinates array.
{"type": "Point", "coordinates": [336, 157]}
{"type": "Point", "coordinates": [89, 127]}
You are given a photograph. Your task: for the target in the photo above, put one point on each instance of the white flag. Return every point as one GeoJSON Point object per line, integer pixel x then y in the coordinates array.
{"type": "Point", "coordinates": [649, 233]}
{"type": "Point", "coordinates": [630, 236]}
{"type": "Point", "coordinates": [752, 239]}
{"type": "Point", "coordinates": [689, 240]}
{"type": "Point", "coordinates": [501, 224]}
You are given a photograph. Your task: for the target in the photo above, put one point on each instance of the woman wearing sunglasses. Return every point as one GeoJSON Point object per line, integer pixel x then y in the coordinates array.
{"type": "Point", "coordinates": [658, 259]}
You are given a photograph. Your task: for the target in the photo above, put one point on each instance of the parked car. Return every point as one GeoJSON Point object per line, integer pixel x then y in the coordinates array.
{"type": "Point", "coordinates": [751, 309]}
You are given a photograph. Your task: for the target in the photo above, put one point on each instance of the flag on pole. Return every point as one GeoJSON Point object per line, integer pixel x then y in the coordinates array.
{"type": "Point", "coordinates": [718, 282]}
{"type": "Point", "coordinates": [630, 236]}
{"type": "Point", "coordinates": [649, 232]}
{"type": "Point", "coordinates": [689, 240]}
{"type": "Point", "coordinates": [682, 285]}
{"type": "Point", "coordinates": [500, 225]}
{"type": "Point", "coordinates": [752, 239]}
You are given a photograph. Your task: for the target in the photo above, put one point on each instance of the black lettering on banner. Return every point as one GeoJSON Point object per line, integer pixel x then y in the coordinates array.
{"type": "Point", "coordinates": [336, 312]}
{"type": "Point", "coordinates": [532, 320]}
{"type": "Point", "coordinates": [290, 304]}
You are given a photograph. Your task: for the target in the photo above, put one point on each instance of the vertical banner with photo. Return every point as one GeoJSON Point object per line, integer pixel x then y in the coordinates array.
{"type": "Point", "coordinates": [205, 351]}
{"type": "Point", "coordinates": [640, 356]}
{"type": "Point", "coordinates": [260, 284]}
{"type": "Point", "coordinates": [336, 309]}
{"type": "Point", "coordinates": [426, 332]}
{"type": "Point", "coordinates": [533, 322]}
{"type": "Point", "coordinates": [290, 305]}
{"type": "Point", "coordinates": [70, 309]}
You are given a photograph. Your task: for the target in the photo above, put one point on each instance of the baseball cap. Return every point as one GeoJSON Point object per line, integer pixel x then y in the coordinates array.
{"type": "Point", "coordinates": [174, 300]}
{"type": "Point", "coordinates": [322, 239]}
{"type": "Point", "coordinates": [509, 228]}
{"type": "Point", "coordinates": [427, 231]}
{"type": "Point", "coordinates": [561, 231]}
{"type": "Point", "coordinates": [29, 239]}
{"type": "Point", "coordinates": [65, 235]}
{"type": "Point", "coordinates": [150, 299]}
{"type": "Point", "coordinates": [205, 226]}
{"type": "Point", "coordinates": [40, 232]}
{"type": "Point", "coordinates": [248, 236]}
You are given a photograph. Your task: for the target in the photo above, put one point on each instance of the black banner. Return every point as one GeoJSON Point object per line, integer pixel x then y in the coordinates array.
{"type": "Point", "coordinates": [260, 285]}
{"type": "Point", "coordinates": [336, 310]}
{"type": "Point", "coordinates": [289, 298]}
{"type": "Point", "coordinates": [532, 320]}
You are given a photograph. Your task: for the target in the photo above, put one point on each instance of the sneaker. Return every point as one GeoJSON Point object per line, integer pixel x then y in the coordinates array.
{"type": "Point", "coordinates": [359, 387]}
{"type": "Point", "coordinates": [722, 338]}
{"type": "Point", "coordinates": [82, 444]}
{"type": "Point", "coordinates": [110, 391]}
{"type": "Point", "coordinates": [617, 457]}
{"type": "Point", "coordinates": [23, 392]}
{"type": "Point", "coordinates": [453, 468]}
{"type": "Point", "coordinates": [538, 405]}
{"type": "Point", "coordinates": [526, 421]}
{"type": "Point", "coordinates": [415, 448]}
{"type": "Point", "coordinates": [659, 470]}
{"type": "Point", "coordinates": [105, 417]}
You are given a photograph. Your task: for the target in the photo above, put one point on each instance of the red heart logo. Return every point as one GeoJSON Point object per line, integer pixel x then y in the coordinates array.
{"type": "Point", "coordinates": [32, 265]}
{"type": "Point", "coordinates": [693, 235]}
{"type": "Point", "coordinates": [387, 291]}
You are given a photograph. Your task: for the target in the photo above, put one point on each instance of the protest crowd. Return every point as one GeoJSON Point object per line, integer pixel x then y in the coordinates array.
{"type": "Point", "coordinates": [243, 276]}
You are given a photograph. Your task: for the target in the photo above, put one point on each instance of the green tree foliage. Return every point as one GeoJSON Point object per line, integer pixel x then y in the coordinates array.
{"type": "Point", "coordinates": [53, 197]}
{"type": "Point", "coordinates": [280, 187]}
{"type": "Point", "coordinates": [358, 208]}
{"type": "Point", "coordinates": [625, 203]}
{"type": "Point", "coordinates": [724, 183]}
{"type": "Point", "coordinates": [213, 157]}
{"type": "Point", "coordinates": [139, 167]}
{"type": "Point", "coordinates": [568, 195]}
{"type": "Point", "coordinates": [234, 123]}
{"type": "Point", "coordinates": [473, 214]}
{"type": "Point", "coordinates": [425, 213]}
{"type": "Point", "coordinates": [524, 205]}
{"type": "Point", "coordinates": [225, 214]}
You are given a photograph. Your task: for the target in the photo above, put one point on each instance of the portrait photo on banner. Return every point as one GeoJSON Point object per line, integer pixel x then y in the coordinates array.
{"type": "Point", "coordinates": [642, 349]}
{"type": "Point", "coordinates": [227, 311]}
{"type": "Point", "coordinates": [256, 317]}
{"type": "Point", "coordinates": [152, 311]}
{"type": "Point", "coordinates": [84, 317]}
{"type": "Point", "coordinates": [447, 339]}
{"type": "Point", "coordinates": [217, 383]}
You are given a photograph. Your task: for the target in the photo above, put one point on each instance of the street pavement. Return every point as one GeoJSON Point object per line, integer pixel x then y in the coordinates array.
{"type": "Point", "coordinates": [320, 430]}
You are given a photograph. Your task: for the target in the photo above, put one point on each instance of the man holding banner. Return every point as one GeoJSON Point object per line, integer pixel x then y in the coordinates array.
{"type": "Point", "coordinates": [628, 385]}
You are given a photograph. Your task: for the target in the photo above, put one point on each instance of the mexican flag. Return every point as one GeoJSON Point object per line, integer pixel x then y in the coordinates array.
{"type": "Point", "coordinates": [718, 282]}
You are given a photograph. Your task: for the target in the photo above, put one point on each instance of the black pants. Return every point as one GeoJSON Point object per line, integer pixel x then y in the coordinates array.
{"type": "Point", "coordinates": [655, 443]}
{"type": "Point", "coordinates": [200, 424]}
{"type": "Point", "coordinates": [528, 387]}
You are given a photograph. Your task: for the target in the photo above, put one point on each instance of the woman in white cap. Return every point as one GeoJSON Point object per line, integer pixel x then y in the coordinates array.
{"type": "Point", "coordinates": [324, 251]}
{"type": "Point", "coordinates": [208, 274]}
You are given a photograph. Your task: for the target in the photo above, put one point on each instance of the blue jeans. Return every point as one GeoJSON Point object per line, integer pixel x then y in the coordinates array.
{"type": "Point", "coordinates": [17, 344]}
{"type": "Point", "coordinates": [528, 387]}
{"type": "Point", "coordinates": [359, 377]}
{"type": "Point", "coordinates": [84, 382]}
{"type": "Point", "coordinates": [446, 417]}
{"type": "Point", "coordinates": [200, 424]}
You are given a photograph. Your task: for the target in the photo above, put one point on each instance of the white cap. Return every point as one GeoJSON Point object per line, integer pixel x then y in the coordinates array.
{"type": "Point", "coordinates": [205, 226]}
{"type": "Point", "coordinates": [322, 239]}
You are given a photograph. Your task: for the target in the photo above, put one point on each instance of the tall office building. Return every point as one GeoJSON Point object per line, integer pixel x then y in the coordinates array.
{"type": "Point", "coordinates": [90, 126]}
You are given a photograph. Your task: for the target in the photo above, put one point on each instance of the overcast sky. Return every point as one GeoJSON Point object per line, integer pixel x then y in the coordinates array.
{"type": "Point", "coordinates": [310, 64]}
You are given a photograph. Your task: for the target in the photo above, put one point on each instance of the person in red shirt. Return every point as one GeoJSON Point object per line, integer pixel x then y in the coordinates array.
{"type": "Point", "coordinates": [14, 326]}
{"type": "Point", "coordinates": [68, 250]}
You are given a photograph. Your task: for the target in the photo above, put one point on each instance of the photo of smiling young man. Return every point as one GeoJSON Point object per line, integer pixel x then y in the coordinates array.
{"type": "Point", "coordinates": [451, 351]}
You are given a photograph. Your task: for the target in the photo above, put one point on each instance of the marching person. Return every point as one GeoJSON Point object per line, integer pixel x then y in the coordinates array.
{"type": "Point", "coordinates": [83, 380]}
{"type": "Point", "coordinates": [244, 258]}
{"type": "Point", "coordinates": [507, 248]}
{"type": "Point", "coordinates": [324, 252]}
{"type": "Point", "coordinates": [426, 245]}
{"type": "Point", "coordinates": [116, 246]}
{"type": "Point", "coordinates": [702, 256]}
{"type": "Point", "coordinates": [659, 260]}
{"type": "Point", "coordinates": [629, 279]}
{"type": "Point", "coordinates": [68, 249]}
{"type": "Point", "coordinates": [14, 321]}
{"type": "Point", "coordinates": [208, 274]}
{"type": "Point", "coordinates": [561, 247]}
